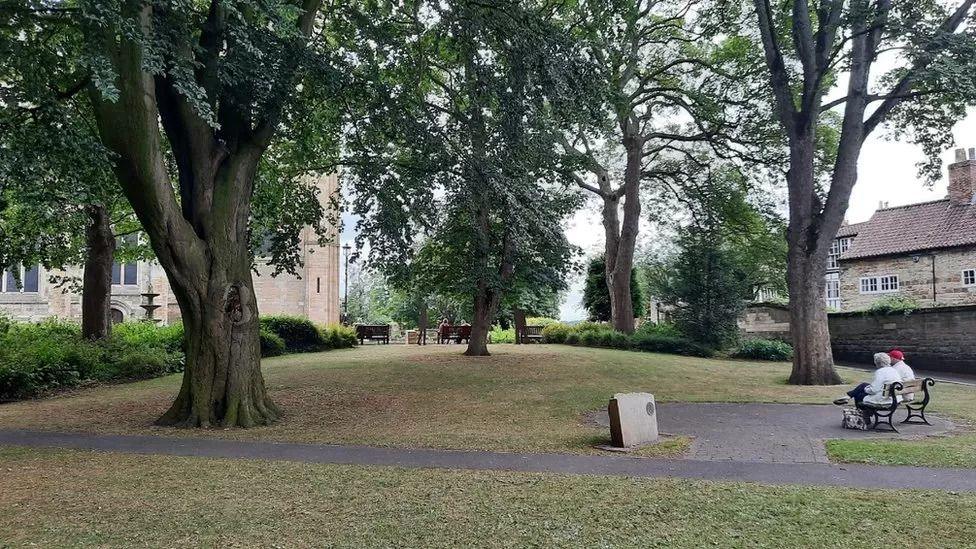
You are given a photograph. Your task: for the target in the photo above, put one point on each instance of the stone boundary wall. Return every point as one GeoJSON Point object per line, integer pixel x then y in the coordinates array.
{"type": "Point", "coordinates": [938, 338]}
{"type": "Point", "coordinates": [765, 321]}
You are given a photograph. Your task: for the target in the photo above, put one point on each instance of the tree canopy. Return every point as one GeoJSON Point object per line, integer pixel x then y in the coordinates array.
{"type": "Point", "coordinates": [460, 149]}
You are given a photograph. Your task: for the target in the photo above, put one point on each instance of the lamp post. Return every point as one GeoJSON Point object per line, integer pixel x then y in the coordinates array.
{"type": "Point", "coordinates": [345, 300]}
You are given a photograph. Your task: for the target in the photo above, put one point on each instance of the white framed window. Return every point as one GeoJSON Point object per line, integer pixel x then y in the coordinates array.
{"type": "Point", "coordinates": [837, 248]}
{"type": "Point", "coordinates": [30, 280]}
{"type": "Point", "coordinates": [879, 284]}
{"type": "Point", "coordinates": [765, 294]}
{"type": "Point", "coordinates": [969, 277]}
{"type": "Point", "coordinates": [832, 290]}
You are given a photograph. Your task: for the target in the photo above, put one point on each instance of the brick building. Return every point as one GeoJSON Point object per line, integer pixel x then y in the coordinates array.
{"type": "Point", "coordinates": [924, 251]}
{"type": "Point", "coordinates": [313, 294]}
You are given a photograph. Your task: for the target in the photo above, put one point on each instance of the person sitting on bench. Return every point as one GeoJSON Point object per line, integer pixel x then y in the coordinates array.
{"type": "Point", "coordinates": [898, 363]}
{"type": "Point", "coordinates": [904, 370]}
{"type": "Point", "coordinates": [873, 392]}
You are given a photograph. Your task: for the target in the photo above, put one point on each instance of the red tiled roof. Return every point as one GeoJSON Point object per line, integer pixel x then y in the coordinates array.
{"type": "Point", "coordinates": [850, 229]}
{"type": "Point", "coordinates": [912, 228]}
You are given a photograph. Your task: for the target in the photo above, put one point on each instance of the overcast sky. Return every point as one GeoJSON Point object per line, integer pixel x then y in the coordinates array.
{"type": "Point", "coordinates": [887, 173]}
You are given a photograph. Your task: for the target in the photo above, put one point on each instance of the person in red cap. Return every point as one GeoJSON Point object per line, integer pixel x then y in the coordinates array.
{"type": "Point", "coordinates": [898, 363]}
{"type": "Point", "coordinates": [904, 370]}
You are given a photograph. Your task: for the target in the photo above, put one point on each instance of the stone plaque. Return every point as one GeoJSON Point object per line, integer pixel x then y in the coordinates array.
{"type": "Point", "coordinates": [633, 419]}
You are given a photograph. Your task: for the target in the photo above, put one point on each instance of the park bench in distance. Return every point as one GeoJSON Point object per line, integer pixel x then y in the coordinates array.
{"type": "Point", "coordinates": [915, 407]}
{"type": "Point", "coordinates": [373, 332]}
{"type": "Point", "coordinates": [455, 333]}
{"type": "Point", "coordinates": [532, 334]}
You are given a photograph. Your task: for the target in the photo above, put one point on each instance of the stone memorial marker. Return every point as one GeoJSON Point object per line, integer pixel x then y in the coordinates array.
{"type": "Point", "coordinates": [633, 419]}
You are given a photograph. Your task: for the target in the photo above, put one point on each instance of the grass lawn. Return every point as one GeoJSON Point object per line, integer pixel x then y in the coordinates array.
{"type": "Point", "coordinates": [72, 499]}
{"type": "Point", "coordinates": [523, 398]}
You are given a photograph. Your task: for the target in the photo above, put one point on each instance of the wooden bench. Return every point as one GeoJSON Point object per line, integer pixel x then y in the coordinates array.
{"type": "Point", "coordinates": [455, 333]}
{"type": "Point", "coordinates": [915, 406]}
{"type": "Point", "coordinates": [533, 334]}
{"type": "Point", "coordinates": [373, 332]}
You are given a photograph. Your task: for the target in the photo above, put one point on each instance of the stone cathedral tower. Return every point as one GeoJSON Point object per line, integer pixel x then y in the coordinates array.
{"type": "Point", "coordinates": [316, 294]}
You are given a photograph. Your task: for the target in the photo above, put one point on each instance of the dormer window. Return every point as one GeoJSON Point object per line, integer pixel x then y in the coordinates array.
{"type": "Point", "coordinates": [837, 248]}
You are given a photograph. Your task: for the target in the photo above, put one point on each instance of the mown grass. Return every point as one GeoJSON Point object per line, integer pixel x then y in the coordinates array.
{"type": "Point", "coordinates": [523, 398]}
{"type": "Point", "coordinates": [82, 499]}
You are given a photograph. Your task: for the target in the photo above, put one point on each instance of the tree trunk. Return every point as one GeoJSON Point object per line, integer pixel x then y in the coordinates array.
{"type": "Point", "coordinates": [813, 361]}
{"type": "Point", "coordinates": [222, 384]}
{"type": "Point", "coordinates": [519, 321]}
{"type": "Point", "coordinates": [96, 291]}
{"type": "Point", "coordinates": [622, 237]}
{"type": "Point", "coordinates": [621, 300]}
{"type": "Point", "coordinates": [484, 312]}
{"type": "Point", "coordinates": [422, 322]}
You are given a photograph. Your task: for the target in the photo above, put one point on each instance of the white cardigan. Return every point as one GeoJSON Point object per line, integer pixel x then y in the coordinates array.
{"type": "Point", "coordinates": [882, 376]}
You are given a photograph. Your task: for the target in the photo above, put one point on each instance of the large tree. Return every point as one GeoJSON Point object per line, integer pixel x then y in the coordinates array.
{"type": "Point", "coordinates": [187, 97]}
{"type": "Point", "coordinates": [821, 58]}
{"type": "Point", "coordinates": [463, 149]}
{"type": "Point", "coordinates": [665, 78]}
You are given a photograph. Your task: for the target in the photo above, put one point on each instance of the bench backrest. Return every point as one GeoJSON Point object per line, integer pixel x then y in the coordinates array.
{"type": "Point", "coordinates": [533, 330]}
{"type": "Point", "coordinates": [455, 330]}
{"type": "Point", "coordinates": [372, 330]}
{"type": "Point", "coordinates": [905, 387]}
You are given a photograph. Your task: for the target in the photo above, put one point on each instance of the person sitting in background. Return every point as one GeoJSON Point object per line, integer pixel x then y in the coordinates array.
{"type": "Point", "coordinates": [873, 392]}
{"type": "Point", "coordinates": [442, 330]}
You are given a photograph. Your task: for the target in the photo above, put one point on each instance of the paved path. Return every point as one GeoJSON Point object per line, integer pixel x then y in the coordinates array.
{"type": "Point", "coordinates": [777, 433]}
{"type": "Point", "coordinates": [861, 476]}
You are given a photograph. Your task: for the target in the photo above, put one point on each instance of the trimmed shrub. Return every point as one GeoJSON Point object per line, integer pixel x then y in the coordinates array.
{"type": "Point", "coordinates": [142, 364]}
{"type": "Point", "coordinates": [540, 321]}
{"type": "Point", "coordinates": [588, 326]}
{"type": "Point", "coordinates": [299, 334]}
{"type": "Point", "coordinates": [338, 336]}
{"type": "Point", "coordinates": [674, 345]}
{"type": "Point", "coordinates": [764, 349]}
{"type": "Point", "coordinates": [502, 336]}
{"type": "Point", "coordinates": [666, 329]}
{"type": "Point", "coordinates": [271, 344]}
{"type": "Point", "coordinates": [620, 340]}
{"type": "Point", "coordinates": [144, 333]}
{"type": "Point", "coordinates": [38, 358]}
{"type": "Point", "coordinates": [556, 332]}
{"type": "Point", "coordinates": [589, 338]}
{"type": "Point", "coordinates": [653, 338]}
{"type": "Point", "coordinates": [46, 356]}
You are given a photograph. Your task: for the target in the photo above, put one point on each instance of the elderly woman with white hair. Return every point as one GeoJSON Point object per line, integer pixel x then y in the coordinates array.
{"type": "Point", "coordinates": [873, 392]}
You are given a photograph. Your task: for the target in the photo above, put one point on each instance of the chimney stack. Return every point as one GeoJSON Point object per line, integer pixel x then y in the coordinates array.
{"type": "Point", "coordinates": [962, 178]}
